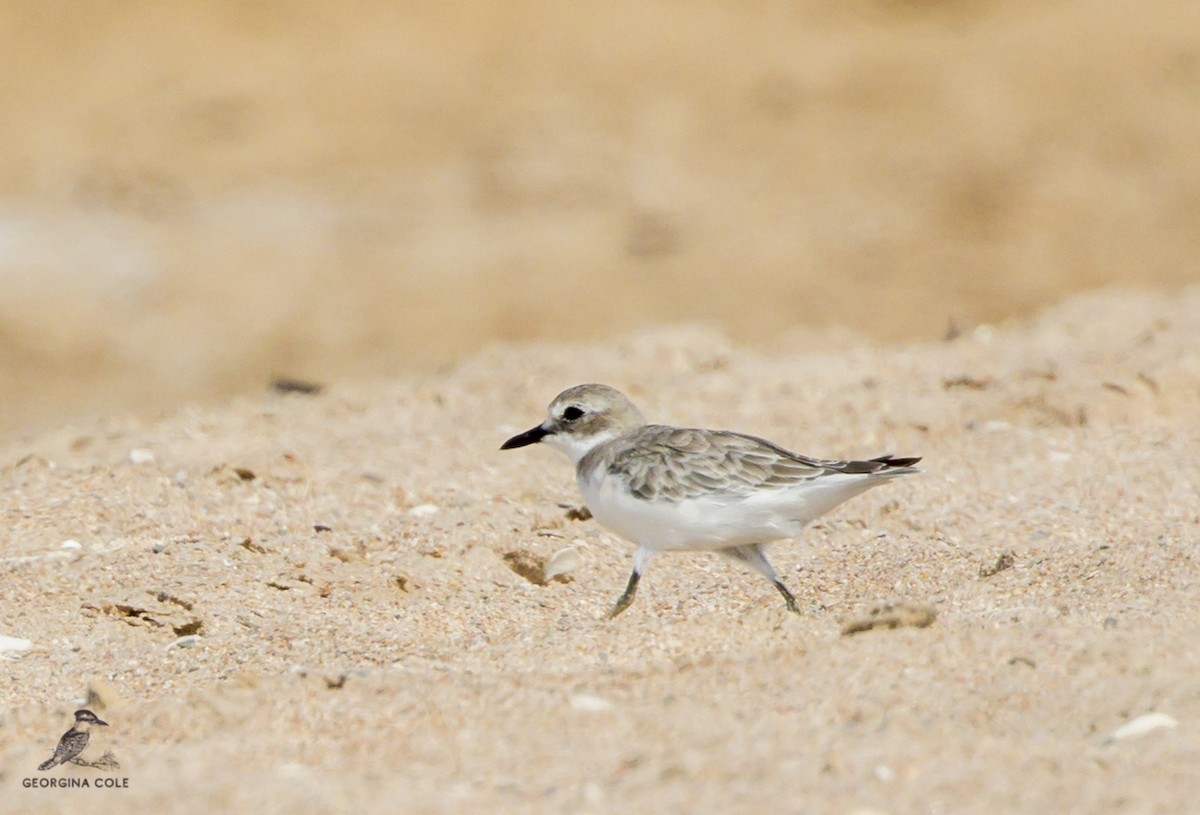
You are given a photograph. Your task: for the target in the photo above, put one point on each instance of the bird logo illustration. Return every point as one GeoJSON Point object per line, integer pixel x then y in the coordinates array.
{"type": "Point", "coordinates": [74, 741]}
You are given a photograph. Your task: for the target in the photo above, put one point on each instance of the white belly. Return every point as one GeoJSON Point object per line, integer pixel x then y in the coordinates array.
{"type": "Point", "coordinates": [719, 521]}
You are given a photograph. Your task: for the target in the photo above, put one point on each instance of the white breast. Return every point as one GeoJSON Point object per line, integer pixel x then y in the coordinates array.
{"type": "Point", "coordinates": [719, 521]}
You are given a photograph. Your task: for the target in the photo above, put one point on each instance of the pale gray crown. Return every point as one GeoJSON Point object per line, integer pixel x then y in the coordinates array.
{"type": "Point", "coordinates": [587, 410]}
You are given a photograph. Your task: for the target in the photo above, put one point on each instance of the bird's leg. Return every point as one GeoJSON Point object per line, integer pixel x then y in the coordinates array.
{"type": "Point", "coordinates": [752, 555]}
{"type": "Point", "coordinates": [640, 558]}
{"type": "Point", "coordinates": [787, 596]}
{"type": "Point", "coordinates": [626, 598]}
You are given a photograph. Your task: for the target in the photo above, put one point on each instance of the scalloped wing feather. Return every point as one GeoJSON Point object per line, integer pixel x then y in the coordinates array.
{"type": "Point", "coordinates": [678, 464]}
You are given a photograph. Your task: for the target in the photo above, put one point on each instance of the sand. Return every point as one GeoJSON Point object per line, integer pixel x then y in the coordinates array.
{"type": "Point", "coordinates": [391, 660]}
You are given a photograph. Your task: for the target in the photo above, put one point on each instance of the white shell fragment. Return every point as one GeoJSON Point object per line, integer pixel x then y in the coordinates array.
{"type": "Point", "coordinates": [422, 510]}
{"type": "Point", "coordinates": [140, 455]}
{"type": "Point", "coordinates": [1142, 725]}
{"type": "Point", "coordinates": [185, 642]}
{"type": "Point", "coordinates": [71, 544]}
{"type": "Point", "coordinates": [13, 647]}
{"type": "Point", "coordinates": [587, 703]}
{"type": "Point", "coordinates": [563, 561]}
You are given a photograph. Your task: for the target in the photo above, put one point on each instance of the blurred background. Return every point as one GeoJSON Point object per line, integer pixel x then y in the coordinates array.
{"type": "Point", "coordinates": [197, 197]}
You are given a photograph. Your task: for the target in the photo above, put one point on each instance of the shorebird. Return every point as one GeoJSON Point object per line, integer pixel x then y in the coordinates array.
{"type": "Point", "coordinates": [670, 488]}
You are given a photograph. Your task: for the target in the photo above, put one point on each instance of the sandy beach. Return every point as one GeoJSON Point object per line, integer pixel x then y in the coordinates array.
{"type": "Point", "coordinates": [962, 231]}
{"type": "Point", "coordinates": [291, 603]}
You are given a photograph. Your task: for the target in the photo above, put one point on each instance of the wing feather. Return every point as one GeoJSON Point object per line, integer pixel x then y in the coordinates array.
{"type": "Point", "coordinates": [675, 464]}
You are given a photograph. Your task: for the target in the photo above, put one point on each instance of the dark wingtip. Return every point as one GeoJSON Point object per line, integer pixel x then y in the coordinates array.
{"type": "Point", "coordinates": [893, 461]}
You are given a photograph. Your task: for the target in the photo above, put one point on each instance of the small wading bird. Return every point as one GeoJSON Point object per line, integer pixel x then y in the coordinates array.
{"type": "Point", "coordinates": [74, 741]}
{"type": "Point", "coordinates": [671, 488]}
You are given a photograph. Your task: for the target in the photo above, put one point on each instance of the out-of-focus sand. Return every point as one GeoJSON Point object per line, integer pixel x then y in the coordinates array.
{"type": "Point", "coordinates": [395, 662]}
{"type": "Point", "coordinates": [197, 196]}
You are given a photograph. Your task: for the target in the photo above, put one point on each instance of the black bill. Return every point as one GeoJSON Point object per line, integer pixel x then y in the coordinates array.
{"type": "Point", "coordinates": [531, 436]}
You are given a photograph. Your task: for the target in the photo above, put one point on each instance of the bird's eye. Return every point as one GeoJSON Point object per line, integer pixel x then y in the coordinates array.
{"type": "Point", "coordinates": [572, 413]}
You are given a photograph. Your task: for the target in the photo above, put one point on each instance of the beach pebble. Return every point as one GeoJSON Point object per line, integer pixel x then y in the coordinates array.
{"type": "Point", "coordinates": [185, 642]}
{"type": "Point", "coordinates": [71, 544]}
{"type": "Point", "coordinates": [140, 455]}
{"type": "Point", "coordinates": [422, 510]}
{"type": "Point", "coordinates": [586, 703]}
{"type": "Point", "coordinates": [1142, 725]}
{"type": "Point", "coordinates": [13, 647]}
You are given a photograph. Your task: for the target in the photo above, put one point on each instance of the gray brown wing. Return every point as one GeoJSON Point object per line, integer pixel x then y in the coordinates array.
{"type": "Point", "coordinates": [675, 464]}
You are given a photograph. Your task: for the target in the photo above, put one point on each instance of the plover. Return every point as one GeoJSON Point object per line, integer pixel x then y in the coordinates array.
{"type": "Point", "coordinates": [669, 488]}
{"type": "Point", "coordinates": [74, 741]}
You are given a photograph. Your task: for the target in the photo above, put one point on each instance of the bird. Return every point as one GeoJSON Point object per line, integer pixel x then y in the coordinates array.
{"type": "Point", "coordinates": [667, 488]}
{"type": "Point", "coordinates": [74, 741]}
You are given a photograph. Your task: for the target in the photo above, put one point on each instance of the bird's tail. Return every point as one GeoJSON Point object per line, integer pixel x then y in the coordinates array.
{"type": "Point", "coordinates": [887, 466]}
{"type": "Point", "coordinates": [48, 763]}
{"type": "Point", "coordinates": [891, 462]}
